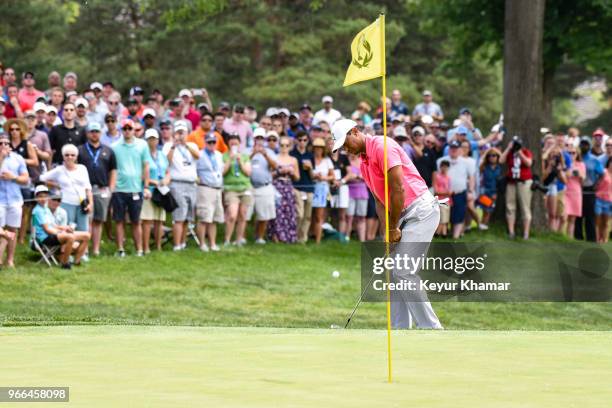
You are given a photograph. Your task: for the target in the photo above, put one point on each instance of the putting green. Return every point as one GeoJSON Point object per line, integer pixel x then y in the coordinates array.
{"type": "Point", "coordinates": [135, 366]}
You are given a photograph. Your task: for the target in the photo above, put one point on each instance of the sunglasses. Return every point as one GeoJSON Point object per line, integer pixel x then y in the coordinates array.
{"type": "Point", "coordinates": [14, 129]}
{"type": "Point", "coordinates": [112, 103]}
{"type": "Point", "coordinates": [284, 145]}
{"type": "Point", "coordinates": [302, 140]}
{"type": "Point", "coordinates": [111, 121]}
{"type": "Point", "coordinates": [211, 142]}
{"type": "Point", "coordinates": [5, 144]}
{"type": "Point", "coordinates": [128, 128]}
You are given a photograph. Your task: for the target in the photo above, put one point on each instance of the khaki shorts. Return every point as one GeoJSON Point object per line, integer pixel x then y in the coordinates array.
{"type": "Point", "coordinates": [152, 212]}
{"type": "Point", "coordinates": [238, 197]}
{"type": "Point", "coordinates": [560, 197]}
{"type": "Point", "coordinates": [444, 214]}
{"type": "Point", "coordinates": [264, 199]}
{"type": "Point", "coordinates": [209, 205]}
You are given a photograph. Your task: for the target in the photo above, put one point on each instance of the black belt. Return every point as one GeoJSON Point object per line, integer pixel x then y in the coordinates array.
{"type": "Point", "coordinates": [262, 185]}
{"type": "Point", "coordinates": [182, 181]}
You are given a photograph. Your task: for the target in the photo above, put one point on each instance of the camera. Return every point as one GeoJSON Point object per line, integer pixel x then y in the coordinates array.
{"type": "Point", "coordinates": [537, 185]}
{"type": "Point", "coordinates": [517, 143]}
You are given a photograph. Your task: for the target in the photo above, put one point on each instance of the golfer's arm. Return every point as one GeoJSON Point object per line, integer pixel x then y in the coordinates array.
{"type": "Point", "coordinates": [396, 192]}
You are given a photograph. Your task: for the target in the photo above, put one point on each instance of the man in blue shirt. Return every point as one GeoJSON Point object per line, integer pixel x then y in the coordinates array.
{"type": "Point", "coordinates": [209, 203]}
{"type": "Point", "coordinates": [594, 171]}
{"type": "Point", "coordinates": [397, 106]}
{"type": "Point", "coordinates": [304, 187]}
{"type": "Point", "coordinates": [13, 175]}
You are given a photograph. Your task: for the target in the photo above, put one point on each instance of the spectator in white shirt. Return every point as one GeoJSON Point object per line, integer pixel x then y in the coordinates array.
{"type": "Point", "coordinates": [327, 114]}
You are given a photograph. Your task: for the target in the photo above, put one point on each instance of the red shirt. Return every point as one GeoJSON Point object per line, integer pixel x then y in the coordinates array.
{"type": "Point", "coordinates": [27, 99]}
{"type": "Point", "coordinates": [524, 170]}
{"type": "Point", "coordinates": [373, 173]}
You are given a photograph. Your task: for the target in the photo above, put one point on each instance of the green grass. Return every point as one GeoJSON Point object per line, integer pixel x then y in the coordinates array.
{"type": "Point", "coordinates": [253, 367]}
{"type": "Point", "coordinates": [273, 286]}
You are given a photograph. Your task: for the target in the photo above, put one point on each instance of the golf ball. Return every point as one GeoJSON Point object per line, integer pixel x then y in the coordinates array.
{"type": "Point", "coordinates": [336, 274]}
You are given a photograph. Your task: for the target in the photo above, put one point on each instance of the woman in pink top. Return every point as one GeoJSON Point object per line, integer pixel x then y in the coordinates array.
{"type": "Point", "coordinates": [573, 189]}
{"type": "Point", "coordinates": [358, 199]}
{"type": "Point", "coordinates": [603, 203]}
{"type": "Point", "coordinates": [413, 213]}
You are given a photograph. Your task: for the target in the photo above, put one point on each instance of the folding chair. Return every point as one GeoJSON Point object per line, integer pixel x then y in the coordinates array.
{"type": "Point", "coordinates": [47, 253]}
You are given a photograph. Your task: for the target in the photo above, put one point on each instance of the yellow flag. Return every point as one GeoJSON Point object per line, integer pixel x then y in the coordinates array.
{"type": "Point", "coordinates": [367, 59]}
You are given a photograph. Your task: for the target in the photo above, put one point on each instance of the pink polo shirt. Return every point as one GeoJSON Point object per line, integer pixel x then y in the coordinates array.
{"type": "Point", "coordinates": [372, 169]}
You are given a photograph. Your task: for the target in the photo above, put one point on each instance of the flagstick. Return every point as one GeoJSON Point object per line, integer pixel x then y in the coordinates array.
{"type": "Point", "coordinates": [384, 102]}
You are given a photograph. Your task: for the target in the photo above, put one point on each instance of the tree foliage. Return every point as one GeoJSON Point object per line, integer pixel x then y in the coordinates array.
{"type": "Point", "coordinates": [264, 52]}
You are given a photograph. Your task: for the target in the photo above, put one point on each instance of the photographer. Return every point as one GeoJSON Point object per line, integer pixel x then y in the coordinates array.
{"type": "Point", "coordinates": [519, 179]}
{"type": "Point", "coordinates": [554, 166]}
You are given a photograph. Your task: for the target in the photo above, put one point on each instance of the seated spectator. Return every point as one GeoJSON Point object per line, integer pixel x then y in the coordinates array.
{"type": "Point", "coordinates": [322, 173]}
{"type": "Point", "coordinates": [151, 214]}
{"type": "Point", "coordinates": [518, 184]}
{"type": "Point", "coordinates": [603, 204]}
{"type": "Point", "coordinates": [263, 164]}
{"type": "Point", "coordinates": [358, 199]}
{"type": "Point", "coordinates": [60, 216]}
{"type": "Point", "coordinates": [237, 196]}
{"type": "Point", "coordinates": [182, 157]}
{"type": "Point", "coordinates": [13, 175]}
{"type": "Point", "coordinates": [573, 192]}
{"type": "Point", "coordinates": [73, 180]}
{"type": "Point", "coordinates": [50, 234]}
{"type": "Point", "coordinates": [441, 185]}
{"type": "Point", "coordinates": [209, 207]}
{"type": "Point", "coordinates": [490, 174]}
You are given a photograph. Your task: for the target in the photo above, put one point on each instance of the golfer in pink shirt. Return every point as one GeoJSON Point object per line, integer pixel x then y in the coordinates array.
{"type": "Point", "coordinates": [414, 213]}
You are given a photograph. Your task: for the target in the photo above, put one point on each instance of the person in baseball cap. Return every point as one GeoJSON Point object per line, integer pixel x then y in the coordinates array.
{"type": "Point", "coordinates": [408, 194]}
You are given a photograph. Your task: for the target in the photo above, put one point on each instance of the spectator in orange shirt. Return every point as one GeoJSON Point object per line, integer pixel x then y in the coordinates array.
{"type": "Point", "coordinates": [198, 135]}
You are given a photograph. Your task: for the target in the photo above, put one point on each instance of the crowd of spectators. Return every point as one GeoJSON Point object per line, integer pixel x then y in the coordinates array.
{"type": "Point", "coordinates": [76, 160]}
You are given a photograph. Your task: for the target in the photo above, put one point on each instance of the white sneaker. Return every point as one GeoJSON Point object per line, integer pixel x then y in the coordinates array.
{"type": "Point", "coordinates": [85, 258]}
{"type": "Point", "coordinates": [204, 248]}
{"type": "Point", "coordinates": [177, 248]}
{"type": "Point", "coordinates": [242, 242]}
{"type": "Point", "coordinates": [215, 248]}
{"type": "Point", "coordinates": [260, 241]}
{"type": "Point", "coordinates": [183, 245]}
{"type": "Point", "coordinates": [227, 243]}
{"type": "Point", "coordinates": [139, 253]}
{"type": "Point", "coordinates": [483, 227]}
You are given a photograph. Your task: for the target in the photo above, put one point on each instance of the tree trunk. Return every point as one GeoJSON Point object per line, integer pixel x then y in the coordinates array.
{"type": "Point", "coordinates": [547, 97]}
{"type": "Point", "coordinates": [523, 86]}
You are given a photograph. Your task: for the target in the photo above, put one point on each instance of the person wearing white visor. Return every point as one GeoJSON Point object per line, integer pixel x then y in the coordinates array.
{"type": "Point", "coordinates": [414, 213]}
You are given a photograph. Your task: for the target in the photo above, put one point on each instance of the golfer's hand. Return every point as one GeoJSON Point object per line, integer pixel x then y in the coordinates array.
{"type": "Point", "coordinates": [395, 235]}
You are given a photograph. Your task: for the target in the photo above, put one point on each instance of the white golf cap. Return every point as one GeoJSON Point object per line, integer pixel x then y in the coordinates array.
{"type": "Point", "coordinates": [41, 188]}
{"type": "Point", "coordinates": [185, 92]}
{"type": "Point", "coordinates": [151, 133]}
{"type": "Point", "coordinates": [81, 101]}
{"type": "Point", "coordinates": [39, 106]}
{"type": "Point", "coordinates": [285, 111]}
{"type": "Point", "coordinates": [339, 131]}
{"type": "Point", "coordinates": [418, 129]}
{"type": "Point", "coordinates": [180, 125]}
{"type": "Point", "coordinates": [327, 98]}
{"type": "Point", "coordinates": [272, 133]}
{"type": "Point", "coordinates": [259, 132]}
{"type": "Point", "coordinates": [271, 111]}
{"type": "Point", "coordinates": [427, 92]}
{"type": "Point", "coordinates": [149, 111]}
{"type": "Point", "coordinates": [95, 85]}
{"type": "Point", "coordinates": [51, 108]}
{"type": "Point", "coordinates": [400, 131]}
